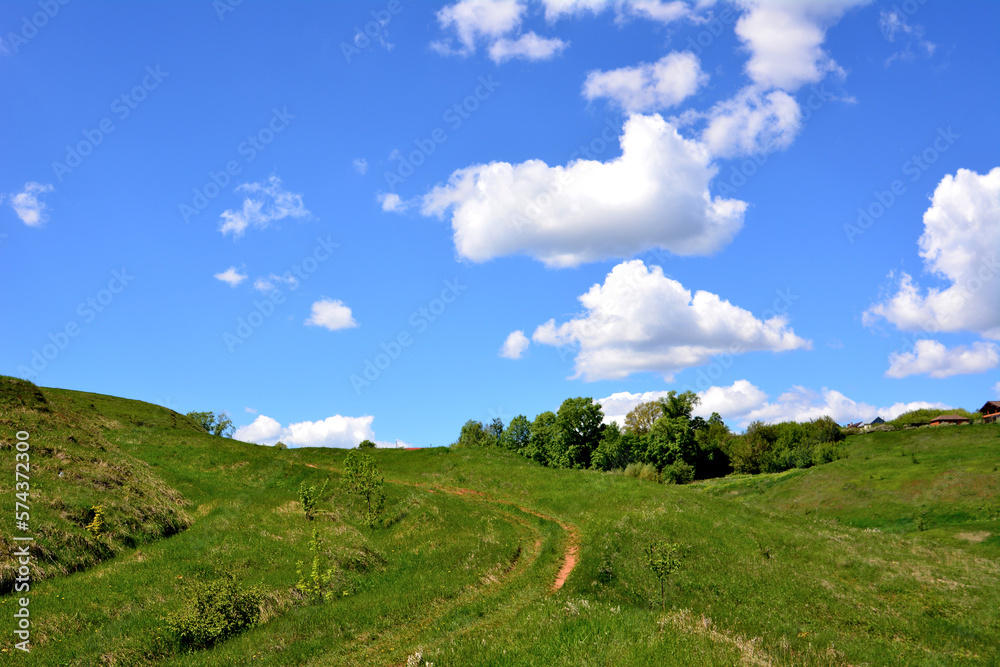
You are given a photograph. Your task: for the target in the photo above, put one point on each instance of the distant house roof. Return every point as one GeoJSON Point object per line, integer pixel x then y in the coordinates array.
{"type": "Point", "coordinates": [990, 411]}
{"type": "Point", "coordinates": [949, 418]}
{"type": "Point", "coordinates": [872, 422]}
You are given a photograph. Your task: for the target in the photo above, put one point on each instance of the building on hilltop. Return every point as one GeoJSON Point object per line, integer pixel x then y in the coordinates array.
{"type": "Point", "coordinates": [872, 422]}
{"type": "Point", "coordinates": [990, 411]}
{"type": "Point", "coordinates": [947, 420]}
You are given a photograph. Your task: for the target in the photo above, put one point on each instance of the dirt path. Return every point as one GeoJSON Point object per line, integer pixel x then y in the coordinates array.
{"type": "Point", "coordinates": [571, 553]}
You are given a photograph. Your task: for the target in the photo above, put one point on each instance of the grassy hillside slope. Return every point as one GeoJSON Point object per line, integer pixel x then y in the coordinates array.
{"type": "Point", "coordinates": [464, 568]}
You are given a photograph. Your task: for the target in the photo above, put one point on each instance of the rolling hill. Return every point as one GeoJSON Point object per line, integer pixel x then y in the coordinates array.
{"type": "Point", "coordinates": [888, 556]}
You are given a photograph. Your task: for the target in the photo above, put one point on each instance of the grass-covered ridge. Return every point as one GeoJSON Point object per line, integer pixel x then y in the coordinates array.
{"type": "Point", "coordinates": [463, 564]}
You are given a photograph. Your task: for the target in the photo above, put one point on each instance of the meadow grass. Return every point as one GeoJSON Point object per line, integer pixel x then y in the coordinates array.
{"type": "Point", "coordinates": [789, 569]}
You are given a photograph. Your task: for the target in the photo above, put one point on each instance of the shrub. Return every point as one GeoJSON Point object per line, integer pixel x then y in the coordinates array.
{"type": "Point", "coordinates": [97, 523]}
{"type": "Point", "coordinates": [366, 444]}
{"type": "Point", "coordinates": [309, 496]}
{"type": "Point", "coordinates": [633, 469]}
{"type": "Point", "coordinates": [363, 477]}
{"type": "Point", "coordinates": [215, 611]}
{"type": "Point", "coordinates": [280, 445]}
{"type": "Point", "coordinates": [679, 472]}
{"type": "Point", "coordinates": [649, 473]}
{"type": "Point", "coordinates": [662, 558]}
{"type": "Point", "coordinates": [316, 585]}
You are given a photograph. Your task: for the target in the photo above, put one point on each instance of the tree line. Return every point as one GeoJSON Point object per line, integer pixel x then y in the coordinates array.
{"type": "Point", "coordinates": [660, 439]}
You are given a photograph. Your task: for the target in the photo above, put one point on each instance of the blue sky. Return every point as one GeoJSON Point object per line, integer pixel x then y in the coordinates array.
{"type": "Point", "coordinates": [481, 208]}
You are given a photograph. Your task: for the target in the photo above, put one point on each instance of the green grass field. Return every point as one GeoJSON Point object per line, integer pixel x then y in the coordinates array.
{"type": "Point", "coordinates": [888, 556]}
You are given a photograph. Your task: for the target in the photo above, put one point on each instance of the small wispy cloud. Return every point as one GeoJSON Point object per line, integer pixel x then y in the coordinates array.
{"type": "Point", "coordinates": [269, 202]}
{"type": "Point", "coordinates": [331, 314]}
{"type": "Point", "coordinates": [231, 276]}
{"type": "Point", "coordinates": [360, 165]}
{"type": "Point", "coordinates": [26, 204]}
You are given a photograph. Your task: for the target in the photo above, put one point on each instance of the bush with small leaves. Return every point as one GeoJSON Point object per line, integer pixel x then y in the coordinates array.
{"type": "Point", "coordinates": [215, 611]}
{"type": "Point", "coordinates": [309, 496]}
{"type": "Point", "coordinates": [663, 559]}
{"type": "Point", "coordinates": [363, 477]}
{"type": "Point", "coordinates": [316, 585]}
{"type": "Point", "coordinates": [97, 523]}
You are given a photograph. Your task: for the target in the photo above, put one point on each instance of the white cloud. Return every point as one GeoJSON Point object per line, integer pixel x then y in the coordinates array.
{"type": "Point", "coordinates": [655, 194]}
{"type": "Point", "coordinates": [26, 204]}
{"type": "Point", "coordinates": [250, 410]}
{"type": "Point", "coordinates": [959, 245]}
{"type": "Point", "coordinates": [391, 202]}
{"type": "Point", "coordinates": [360, 165]}
{"type": "Point", "coordinates": [738, 399]}
{"type": "Point", "coordinates": [752, 122]}
{"type": "Point", "coordinates": [474, 20]}
{"type": "Point", "coordinates": [743, 402]}
{"type": "Point", "coordinates": [276, 203]}
{"type": "Point", "coordinates": [331, 314]}
{"type": "Point", "coordinates": [929, 357]}
{"type": "Point", "coordinates": [528, 46]}
{"type": "Point", "coordinates": [515, 345]}
{"type": "Point", "coordinates": [648, 86]}
{"type": "Point", "coordinates": [661, 11]}
{"type": "Point", "coordinates": [273, 280]}
{"type": "Point", "coordinates": [335, 431]}
{"type": "Point", "coordinates": [802, 404]}
{"type": "Point", "coordinates": [640, 320]}
{"type": "Point", "coordinates": [785, 39]}
{"type": "Point", "coordinates": [231, 276]}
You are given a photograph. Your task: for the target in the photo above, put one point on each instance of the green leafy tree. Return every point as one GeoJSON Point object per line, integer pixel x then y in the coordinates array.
{"type": "Point", "coordinates": [366, 444]}
{"type": "Point", "coordinates": [517, 437]}
{"type": "Point", "coordinates": [494, 433]}
{"type": "Point", "coordinates": [309, 496]}
{"type": "Point", "coordinates": [671, 440]}
{"type": "Point", "coordinates": [578, 432]}
{"type": "Point", "coordinates": [663, 559]}
{"type": "Point", "coordinates": [473, 434]}
{"type": "Point", "coordinates": [363, 478]}
{"type": "Point", "coordinates": [543, 435]}
{"type": "Point", "coordinates": [614, 450]}
{"type": "Point", "coordinates": [220, 425]}
{"type": "Point", "coordinates": [678, 406]}
{"type": "Point", "coordinates": [280, 445]}
{"type": "Point", "coordinates": [642, 417]}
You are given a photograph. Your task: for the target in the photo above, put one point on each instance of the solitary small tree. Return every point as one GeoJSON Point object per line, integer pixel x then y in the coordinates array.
{"type": "Point", "coordinates": [220, 425]}
{"type": "Point", "coordinates": [663, 559]}
{"type": "Point", "coordinates": [316, 583]}
{"type": "Point", "coordinates": [363, 477]}
{"type": "Point", "coordinates": [309, 496]}
{"type": "Point", "coordinates": [366, 444]}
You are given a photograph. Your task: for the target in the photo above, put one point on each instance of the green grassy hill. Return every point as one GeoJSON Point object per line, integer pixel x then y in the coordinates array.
{"type": "Point", "coordinates": [467, 566]}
